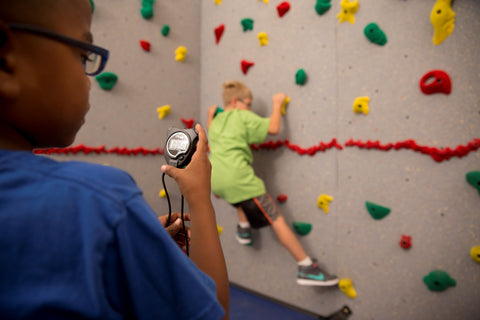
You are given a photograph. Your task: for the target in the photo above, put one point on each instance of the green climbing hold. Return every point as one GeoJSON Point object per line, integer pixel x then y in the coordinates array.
{"type": "Point", "coordinates": [439, 280]}
{"type": "Point", "coordinates": [107, 80]}
{"type": "Point", "coordinates": [147, 12]}
{"type": "Point", "coordinates": [165, 30]}
{"type": "Point", "coordinates": [373, 33]}
{"type": "Point", "coordinates": [147, 9]}
{"type": "Point", "coordinates": [92, 4]}
{"type": "Point", "coordinates": [473, 178]}
{"type": "Point", "coordinates": [376, 211]}
{"type": "Point", "coordinates": [247, 24]}
{"type": "Point", "coordinates": [217, 111]}
{"type": "Point", "coordinates": [301, 77]}
{"type": "Point", "coordinates": [322, 6]}
{"type": "Point", "coordinates": [302, 228]}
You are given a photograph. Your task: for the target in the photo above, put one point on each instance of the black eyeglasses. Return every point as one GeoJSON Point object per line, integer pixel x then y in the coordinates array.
{"type": "Point", "coordinates": [96, 58]}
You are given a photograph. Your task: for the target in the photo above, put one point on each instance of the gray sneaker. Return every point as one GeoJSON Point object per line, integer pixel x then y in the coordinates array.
{"type": "Point", "coordinates": [244, 236]}
{"type": "Point", "coordinates": [314, 276]}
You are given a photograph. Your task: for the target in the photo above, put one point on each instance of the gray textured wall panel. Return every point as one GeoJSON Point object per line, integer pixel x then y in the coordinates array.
{"type": "Point", "coordinates": [430, 201]}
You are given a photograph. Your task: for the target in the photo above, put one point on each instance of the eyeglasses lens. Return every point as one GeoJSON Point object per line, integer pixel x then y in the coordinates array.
{"type": "Point", "coordinates": [93, 63]}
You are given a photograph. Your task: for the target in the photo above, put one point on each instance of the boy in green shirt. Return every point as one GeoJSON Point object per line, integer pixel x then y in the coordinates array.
{"type": "Point", "coordinates": [230, 134]}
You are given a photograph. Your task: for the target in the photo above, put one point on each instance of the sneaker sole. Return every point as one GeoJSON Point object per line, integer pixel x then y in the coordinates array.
{"type": "Point", "coordinates": [309, 282]}
{"type": "Point", "coordinates": [245, 242]}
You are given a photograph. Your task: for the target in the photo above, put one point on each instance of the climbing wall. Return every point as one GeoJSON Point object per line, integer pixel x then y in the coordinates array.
{"type": "Point", "coordinates": [408, 155]}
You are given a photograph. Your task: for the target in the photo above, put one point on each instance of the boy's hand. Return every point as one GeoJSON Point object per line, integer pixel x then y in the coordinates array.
{"type": "Point", "coordinates": [278, 99]}
{"type": "Point", "coordinates": [175, 228]}
{"type": "Point", "coordinates": [194, 180]}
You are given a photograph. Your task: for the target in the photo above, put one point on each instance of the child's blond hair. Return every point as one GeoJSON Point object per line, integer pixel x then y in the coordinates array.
{"type": "Point", "coordinates": [235, 89]}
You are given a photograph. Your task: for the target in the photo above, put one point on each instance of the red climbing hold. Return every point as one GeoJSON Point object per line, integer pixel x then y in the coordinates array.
{"type": "Point", "coordinates": [219, 32]}
{"type": "Point", "coordinates": [246, 65]}
{"type": "Point", "coordinates": [436, 81]}
{"type": "Point", "coordinates": [282, 198]}
{"type": "Point", "coordinates": [188, 122]}
{"type": "Point", "coordinates": [283, 8]}
{"type": "Point", "coordinates": [406, 242]}
{"type": "Point", "coordinates": [145, 45]}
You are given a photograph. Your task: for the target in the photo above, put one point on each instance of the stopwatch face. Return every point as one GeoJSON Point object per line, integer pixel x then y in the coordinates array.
{"type": "Point", "coordinates": [177, 143]}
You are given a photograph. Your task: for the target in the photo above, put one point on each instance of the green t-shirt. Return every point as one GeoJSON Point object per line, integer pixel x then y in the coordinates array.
{"type": "Point", "coordinates": [230, 136]}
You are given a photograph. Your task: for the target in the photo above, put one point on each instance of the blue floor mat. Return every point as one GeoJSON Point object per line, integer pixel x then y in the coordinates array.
{"type": "Point", "coordinates": [246, 305]}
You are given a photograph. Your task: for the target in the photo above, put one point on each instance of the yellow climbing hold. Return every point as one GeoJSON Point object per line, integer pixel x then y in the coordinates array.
{"type": "Point", "coordinates": [443, 19]}
{"type": "Point", "coordinates": [323, 201]}
{"type": "Point", "coordinates": [218, 2]}
{"type": "Point", "coordinates": [284, 105]}
{"type": "Point", "coordinates": [219, 229]}
{"type": "Point", "coordinates": [348, 11]}
{"type": "Point", "coordinates": [360, 105]}
{"type": "Point", "coordinates": [163, 111]}
{"type": "Point", "coordinates": [162, 193]}
{"type": "Point", "coordinates": [475, 253]}
{"type": "Point", "coordinates": [262, 38]}
{"type": "Point", "coordinates": [266, 1]}
{"type": "Point", "coordinates": [180, 53]}
{"type": "Point", "coordinates": [346, 286]}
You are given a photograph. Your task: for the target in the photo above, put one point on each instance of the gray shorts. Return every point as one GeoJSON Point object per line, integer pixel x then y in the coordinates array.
{"type": "Point", "coordinates": [261, 211]}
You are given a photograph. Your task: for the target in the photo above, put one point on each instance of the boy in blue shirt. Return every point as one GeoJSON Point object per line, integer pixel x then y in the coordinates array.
{"type": "Point", "coordinates": [231, 133]}
{"type": "Point", "coordinates": [78, 240]}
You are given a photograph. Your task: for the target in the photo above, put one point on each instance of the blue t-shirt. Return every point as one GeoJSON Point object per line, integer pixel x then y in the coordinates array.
{"type": "Point", "coordinates": [78, 241]}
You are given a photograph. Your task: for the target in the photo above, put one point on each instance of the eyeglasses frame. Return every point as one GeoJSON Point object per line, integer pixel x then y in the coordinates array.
{"type": "Point", "coordinates": [104, 54]}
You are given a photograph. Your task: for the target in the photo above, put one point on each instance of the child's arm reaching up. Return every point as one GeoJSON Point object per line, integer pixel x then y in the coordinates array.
{"type": "Point", "coordinates": [194, 184]}
{"type": "Point", "coordinates": [276, 117]}
{"type": "Point", "coordinates": [211, 114]}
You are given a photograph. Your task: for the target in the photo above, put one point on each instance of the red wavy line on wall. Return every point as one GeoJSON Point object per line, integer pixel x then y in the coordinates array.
{"type": "Point", "coordinates": [84, 149]}
{"type": "Point", "coordinates": [271, 145]}
{"type": "Point", "coordinates": [438, 154]}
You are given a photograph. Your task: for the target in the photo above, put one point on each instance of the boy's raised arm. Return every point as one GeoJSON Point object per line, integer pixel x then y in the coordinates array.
{"type": "Point", "coordinates": [211, 114]}
{"type": "Point", "coordinates": [276, 117]}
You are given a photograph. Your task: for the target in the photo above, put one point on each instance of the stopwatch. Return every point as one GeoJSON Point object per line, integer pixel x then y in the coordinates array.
{"type": "Point", "coordinates": [180, 146]}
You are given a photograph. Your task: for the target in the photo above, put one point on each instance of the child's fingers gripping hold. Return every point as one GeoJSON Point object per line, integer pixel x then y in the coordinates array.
{"type": "Point", "coordinates": [279, 98]}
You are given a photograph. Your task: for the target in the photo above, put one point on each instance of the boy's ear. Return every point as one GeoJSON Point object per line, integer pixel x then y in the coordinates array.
{"type": "Point", "coordinates": [8, 83]}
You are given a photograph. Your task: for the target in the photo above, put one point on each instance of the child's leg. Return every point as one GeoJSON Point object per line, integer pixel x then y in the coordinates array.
{"type": "Point", "coordinates": [288, 239]}
{"type": "Point", "coordinates": [244, 232]}
{"type": "Point", "coordinates": [265, 206]}
{"type": "Point", "coordinates": [309, 272]}
{"type": "Point", "coordinates": [241, 215]}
